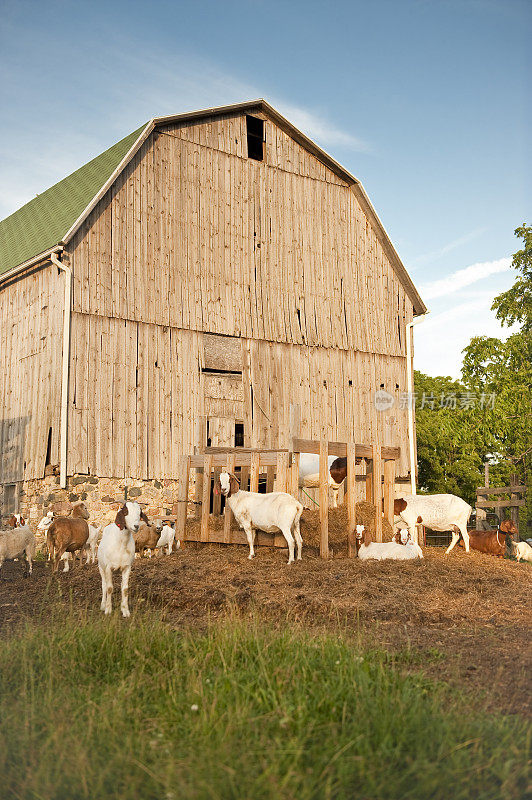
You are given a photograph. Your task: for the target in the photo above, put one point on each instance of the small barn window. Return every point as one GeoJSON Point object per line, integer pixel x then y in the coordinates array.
{"type": "Point", "coordinates": [255, 137]}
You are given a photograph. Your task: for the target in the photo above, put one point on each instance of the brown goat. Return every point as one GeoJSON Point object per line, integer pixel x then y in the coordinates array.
{"type": "Point", "coordinates": [68, 534]}
{"type": "Point", "coordinates": [491, 542]}
{"type": "Point", "coordinates": [146, 538]}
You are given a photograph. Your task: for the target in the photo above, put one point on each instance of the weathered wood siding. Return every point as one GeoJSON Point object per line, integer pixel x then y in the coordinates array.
{"type": "Point", "coordinates": [195, 238]}
{"type": "Point", "coordinates": [31, 316]}
{"type": "Point", "coordinates": [195, 235]}
{"type": "Point", "coordinates": [137, 389]}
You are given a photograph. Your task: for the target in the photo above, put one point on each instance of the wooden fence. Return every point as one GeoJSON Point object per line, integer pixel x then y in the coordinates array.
{"type": "Point", "coordinates": [280, 469]}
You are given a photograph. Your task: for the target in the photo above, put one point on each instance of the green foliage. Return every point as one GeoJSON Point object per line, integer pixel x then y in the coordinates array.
{"type": "Point", "coordinates": [450, 448]}
{"type": "Point", "coordinates": [453, 445]}
{"type": "Point", "coordinates": [98, 708]}
{"type": "Point", "coordinates": [515, 305]}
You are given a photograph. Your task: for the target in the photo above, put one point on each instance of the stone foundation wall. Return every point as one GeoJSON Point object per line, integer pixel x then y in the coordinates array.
{"type": "Point", "coordinates": [103, 497]}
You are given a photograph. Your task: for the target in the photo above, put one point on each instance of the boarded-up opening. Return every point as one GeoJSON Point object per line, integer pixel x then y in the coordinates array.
{"type": "Point", "coordinates": [10, 499]}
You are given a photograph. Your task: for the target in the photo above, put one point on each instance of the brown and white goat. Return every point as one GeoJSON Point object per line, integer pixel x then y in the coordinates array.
{"type": "Point", "coordinates": [16, 521]}
{"type": "Point", "coordinates": [68, 534]}
{"type": "Point", "coordinates": [492, 543]}
{"type": "Point", "coordinates": [146, 538]}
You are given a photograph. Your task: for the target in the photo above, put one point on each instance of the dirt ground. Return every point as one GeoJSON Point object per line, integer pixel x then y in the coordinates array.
{"type": "Point", "coordinates": [468, 616]}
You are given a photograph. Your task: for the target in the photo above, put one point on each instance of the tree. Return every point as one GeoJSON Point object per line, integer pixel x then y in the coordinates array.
{"type": "Point", "coordinates": [453, 445]}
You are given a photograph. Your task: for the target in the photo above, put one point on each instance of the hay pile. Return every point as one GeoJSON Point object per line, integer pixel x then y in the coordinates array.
{"type": "Point", "coordinates": [310, 526]}
{"type": "Point", "coordinates": [364, 515]}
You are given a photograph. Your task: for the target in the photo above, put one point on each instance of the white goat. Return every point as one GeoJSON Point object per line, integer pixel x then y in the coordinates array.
{"type": "Point", "coordinates": [92, 543]}
{"type": "Point", "coordinates": [46, 521]}
{"type": "Point", "coordinates": [271, 512]}
{"type": "Point", "coordinates": [381, 551]}
{"type": "Point", "coordinates": [17, 542]}
{"type": "Point", "coordinates": [521, 551]}
{"type": "Point", "coordinates": [439, 512]}
{"type": "Point", "coordinates": [117, 551]}
{"type": "Point", "coordinates": [309, 473]}
{"type": "Point", "coordinates": [167, 539]}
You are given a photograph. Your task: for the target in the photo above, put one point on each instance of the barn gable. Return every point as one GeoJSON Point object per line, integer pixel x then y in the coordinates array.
{"type": "Point", "coordinates": [53, 217]}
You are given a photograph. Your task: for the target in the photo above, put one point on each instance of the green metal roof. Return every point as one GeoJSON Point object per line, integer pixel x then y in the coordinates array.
{"type": "Point", "coordinates": [43, 222]}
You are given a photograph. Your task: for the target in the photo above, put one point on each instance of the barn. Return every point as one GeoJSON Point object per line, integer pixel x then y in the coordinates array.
{"type": "Point", "coordinates": [188, 285]}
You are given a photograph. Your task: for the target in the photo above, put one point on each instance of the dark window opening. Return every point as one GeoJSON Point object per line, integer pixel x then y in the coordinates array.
{"type": "Point", "coordinates": [49, 449]}
{"type": "Point", "coordinates": [255, 137]}
{"type": "Point", "coordinates": [211, 371]}
{"type": "Point", "coordinates": [239, 434]}
{"type": "Point", "coordinates": [382, 386]}
{"type": "Point", "coordinates": [208, 437]}
{"type": "Point", "coordinates": [350, 382]}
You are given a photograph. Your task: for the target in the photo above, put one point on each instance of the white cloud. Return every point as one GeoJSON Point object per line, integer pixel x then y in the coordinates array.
{"type": "Point", "coordinates": [441, 337]}
{"type": "Point", "coordinates": [464, 277]}
{"type": "Point", "coordinates": [448, 248]}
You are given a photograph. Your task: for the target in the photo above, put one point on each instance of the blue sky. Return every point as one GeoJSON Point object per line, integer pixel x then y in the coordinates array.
{"type": "Point", "coordinates": [425, 102]}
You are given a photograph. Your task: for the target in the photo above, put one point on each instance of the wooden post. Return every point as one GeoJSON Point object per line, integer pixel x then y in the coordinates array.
{"type": "Point", "coordinates": [369, 482]}
{"type": "Point", "coordinates": [217, 498]}
{"type": "Point", "coordinates": [324, 498]}
{"type": "Point", "coordinates": [350, 485]}
{"type": "Point", "coordinates": [182, 487]}
{"type": "Point", "coordinates": [199, 447]}
{"type": "Point", "coordinates": [255, 472]}
{"type": "Point", "coordinates": [295, 433]}
{"type": "Point", "coordinates": [481, 514]}
{"type": "Point", "coordinates": [270, 479]}
{"type": "Point", "coordinates": [377, 490]}
{"type": "Point", "coordinates": [281, 469]}
{"type": "Point", "coordinates": [228, 518]}
{"type": "Point", "coordinates": [205, 498]}
{"type": "Point", "coordinates": [514, 510]}
{"type": "Point", "coordinates": [389, 490]}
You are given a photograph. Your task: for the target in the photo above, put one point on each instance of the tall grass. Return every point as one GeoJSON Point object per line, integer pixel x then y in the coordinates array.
{"type": "Point", "coordinates": [98, 708]}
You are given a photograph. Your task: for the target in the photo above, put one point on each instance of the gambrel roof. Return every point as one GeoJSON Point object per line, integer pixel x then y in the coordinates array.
{"type": "Point", "coordinates": [51, 219]}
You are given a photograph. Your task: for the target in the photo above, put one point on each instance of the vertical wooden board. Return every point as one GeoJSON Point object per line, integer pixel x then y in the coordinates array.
{"type": "Point", "coordinates": [389, 490]}
{"type": "Point", "coordinates": [377, 490]}
{"type": "Point", "coordinates": [228, 514]}
{"type": "Point", "coordinates": [351, 499]}
{"type": "Point", "coordinates": [324, 498]}
{"type": "Point", "coordinates": [254, 473]}
{"type": "Point", "coordinates": [205, 498]}
{"type": "Point", "coordinates": [182, 497]}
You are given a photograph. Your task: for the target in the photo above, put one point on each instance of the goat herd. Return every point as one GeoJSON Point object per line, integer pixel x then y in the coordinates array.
{"type": "Point", "coordinates": [131, 533]}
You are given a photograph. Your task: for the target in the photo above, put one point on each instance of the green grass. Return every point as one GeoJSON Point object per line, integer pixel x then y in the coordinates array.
{"type": "Point", "coordinates": [99, 708]}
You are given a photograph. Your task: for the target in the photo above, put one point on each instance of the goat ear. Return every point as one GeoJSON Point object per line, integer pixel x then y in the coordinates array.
{"type": "Point", "coordinates": [234, 485]}
{"type": "Point", "coordinates": [144, 518]}
{"type": "Point", "coordinates": [12, 521]}
{"type": "Point", "coordinates": [398, 505]}
{"type": "Point", "coordinates": [22, 521]}
{"type": "Point", "coordinates": [120, 518]}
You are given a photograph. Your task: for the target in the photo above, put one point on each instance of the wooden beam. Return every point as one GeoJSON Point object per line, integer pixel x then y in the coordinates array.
{"type": "Point", "coordinates": [324, 499]}
{"type": "Point", "coordinates": [483, 490]}
{"type": "Point", "coordinates": [340, 449]}
{"type": "Point", "coordinates": [182, 487]}
{"type": "Point", "coordinates": [351, 500]}
{"type": "Point", "coordinates": [228, 518]}
{"type": "Point", "coordinates": [377, 491]}
{"type": "Point", "coordinates": [389, 490]}
{"type": "Point", "coordinates": [500, 503]}
{"type": "Point", "coordinates": [205, 498]}
{"type": "Point", "coordinates": [255, 472]}
{"type": "Point", "coordinates": [201, 441]}
{"type": "Point", "coordinates": [267, 459]}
